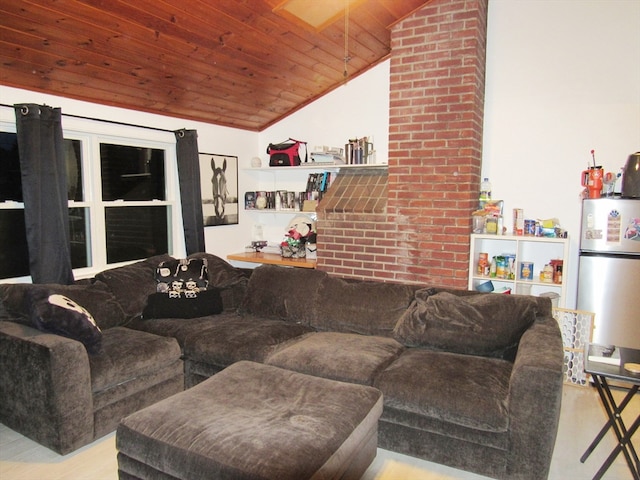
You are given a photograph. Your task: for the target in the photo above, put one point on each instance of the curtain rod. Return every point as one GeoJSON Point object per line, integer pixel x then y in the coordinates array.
{"type": "Point", "coordinates": [113, 122]}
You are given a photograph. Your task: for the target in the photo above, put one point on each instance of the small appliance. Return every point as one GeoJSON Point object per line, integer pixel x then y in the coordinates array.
{"type": "Point", "coordinates": [592, 179]}
{"type": "Point", "coordinates": [631, 177]}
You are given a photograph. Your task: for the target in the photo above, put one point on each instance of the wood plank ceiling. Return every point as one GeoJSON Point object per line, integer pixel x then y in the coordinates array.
{"type": "Point", "coordinates": [228, 62]}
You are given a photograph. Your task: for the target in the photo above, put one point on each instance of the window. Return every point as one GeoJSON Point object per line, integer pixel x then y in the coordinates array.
{"type": "Point", "coordinates": [131, 175]}
{"type": "Point", "coordinates": [14, 259]}
{"type": "Point", "coordinates": [120, 204]}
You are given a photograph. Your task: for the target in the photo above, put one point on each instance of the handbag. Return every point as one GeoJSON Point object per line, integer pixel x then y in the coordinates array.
{"type": "Point", "coordinates": [286, 154]}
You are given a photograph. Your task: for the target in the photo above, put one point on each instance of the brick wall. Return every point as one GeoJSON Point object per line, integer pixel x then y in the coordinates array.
{"type": "Point", "coordinates": [435, 154]}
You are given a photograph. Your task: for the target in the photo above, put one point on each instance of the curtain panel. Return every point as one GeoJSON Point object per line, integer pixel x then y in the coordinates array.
{"type": "Point", "coordinates": [44, 189]}
{"type": "Point", "coordinates": [190, 191]}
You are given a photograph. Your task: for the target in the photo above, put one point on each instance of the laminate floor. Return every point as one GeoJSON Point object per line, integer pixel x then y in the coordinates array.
{"type": "Point", "coordinates": [581, 418]}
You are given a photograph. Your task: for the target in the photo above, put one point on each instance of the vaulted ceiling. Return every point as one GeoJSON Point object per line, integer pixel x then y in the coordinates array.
{"type": "Point", "coordinates": [238, 63]}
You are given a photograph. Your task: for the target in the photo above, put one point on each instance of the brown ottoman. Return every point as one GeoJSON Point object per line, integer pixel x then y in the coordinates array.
{"type": "Point", "coordinates": [254, 421]}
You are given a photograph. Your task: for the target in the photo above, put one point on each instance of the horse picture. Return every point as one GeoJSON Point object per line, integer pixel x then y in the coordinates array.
{"type": "Point", "coordinates": [219, 186]}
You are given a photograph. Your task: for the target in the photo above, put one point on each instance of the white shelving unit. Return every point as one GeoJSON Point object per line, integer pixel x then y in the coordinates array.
{"type": "Point", "coordinates": [539, 250]}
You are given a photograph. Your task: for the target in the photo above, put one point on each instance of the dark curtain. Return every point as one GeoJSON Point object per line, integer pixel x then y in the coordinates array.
{"type": "Point", "coordinates": [190, 193]}
{"type": "Point", "coordinates": [44, 189]}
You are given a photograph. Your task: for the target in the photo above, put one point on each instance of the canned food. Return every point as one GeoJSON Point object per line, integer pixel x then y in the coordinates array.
{"type": "Point", "coordinates": [483, 264]}
{"type": "Point", "coordinates": [530, 227]}
{"type": "Point", "coordinates": [526, 270]}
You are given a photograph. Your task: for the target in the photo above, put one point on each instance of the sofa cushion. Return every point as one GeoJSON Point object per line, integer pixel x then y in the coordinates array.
{"type": "Point", "coordinates": [232, 338]}
{"type": "Point", "coordinates": [282, 293]}
{"type": "Point", "coordinates": [127, 354]}
{"type": "Point", "coordinates": [338, 356]}
{"type": "Point", "coordinates": [132, 284]}
{"type": "Point", "coordinates": [180, 328]}
{"type": "Point", "coordinates": [461, 389]}
{"type": "Point", "coordinates": [483, 324]}
{"type": "Point", "coordinates": [96, 298]}
{"type": "Point", "coordinates": [55, 313]}
{"type": "Point", "coordinates": [163, 305]}
{"type": "Point", "coordinates": [364, 307]}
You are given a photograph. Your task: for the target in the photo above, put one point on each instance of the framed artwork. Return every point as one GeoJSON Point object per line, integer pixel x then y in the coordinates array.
{"type": "Point", "coordinates": [219, 187]}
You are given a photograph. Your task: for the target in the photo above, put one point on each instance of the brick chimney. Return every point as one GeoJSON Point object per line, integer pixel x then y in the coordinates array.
{"type": "Point", "coordinates": [417, 227]}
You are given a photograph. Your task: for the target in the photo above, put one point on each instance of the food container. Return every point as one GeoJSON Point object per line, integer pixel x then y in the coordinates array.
{"type": "Point", "coordinates": [518, 221]}
{"type": "Point", "coordinates": [491, 225]}
{"type": "Point", "coordinates": [501, 266]}
{"type": "Point", "coordinates": [526, 270]}
{"type": "Point", "coordinates": [483, 264]}
{"type": "Point", "coordinates": [510, 259]}
{"type": "Point", "coordinates": [503, 290]}
{"type": "Point", "coordinates": [485, 286]}
{"type": "Point", "coordinates": [553, 296]}
{"type": "Point", "coordinates": [529, 228]}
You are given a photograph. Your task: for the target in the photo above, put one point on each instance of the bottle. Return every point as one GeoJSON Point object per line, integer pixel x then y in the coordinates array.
{"type": "Point", "coordinates": [485, 192]}
{"type": "Point", "coordinates": [483, 264]}
{"type": "Point", "coordinates": [547, 273]}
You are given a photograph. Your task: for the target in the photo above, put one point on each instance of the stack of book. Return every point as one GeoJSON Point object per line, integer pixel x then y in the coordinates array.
{"type": "Point", "coordinates": [604, 354]}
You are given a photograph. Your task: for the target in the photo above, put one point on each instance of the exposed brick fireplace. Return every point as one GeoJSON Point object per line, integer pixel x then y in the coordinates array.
{"type": "Point", "coordinates": [417, 229]}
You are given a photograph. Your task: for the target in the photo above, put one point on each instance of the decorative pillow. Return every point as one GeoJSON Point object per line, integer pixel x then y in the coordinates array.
{"type": "Point", "coordinates": [183, 275]}
{"type": "Point", "coordinates": [96, 298]}
{"type": "Point", "coordinates": [176, 305]}
{"type": "Point", "coordinates": [484, 324]}
{"type": "Point", "coordinates": [55, 313]}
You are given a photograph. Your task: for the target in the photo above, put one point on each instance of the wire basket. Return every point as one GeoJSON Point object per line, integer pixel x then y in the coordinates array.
{"type": "Point", "coordinates": [293, 251]}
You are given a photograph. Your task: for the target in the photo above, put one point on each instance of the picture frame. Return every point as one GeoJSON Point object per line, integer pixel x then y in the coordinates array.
{"type": "Point", "coordinates": [219, 189]}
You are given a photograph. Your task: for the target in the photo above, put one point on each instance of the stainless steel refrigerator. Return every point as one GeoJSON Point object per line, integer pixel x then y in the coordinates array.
{"type": "Point", "coordinates": [609, 269]}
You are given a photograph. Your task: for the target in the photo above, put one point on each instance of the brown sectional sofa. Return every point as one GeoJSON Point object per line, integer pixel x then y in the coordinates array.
{"type": "Point", "coordinates": [470, 380]}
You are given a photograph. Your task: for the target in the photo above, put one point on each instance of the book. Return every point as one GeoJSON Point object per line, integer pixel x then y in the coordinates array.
{"type": "Point", "coordinates": [604, 354]}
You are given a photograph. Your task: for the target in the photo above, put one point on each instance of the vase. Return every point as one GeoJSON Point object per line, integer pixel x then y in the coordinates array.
{"type": "Point", "coordinates": [312, 250]}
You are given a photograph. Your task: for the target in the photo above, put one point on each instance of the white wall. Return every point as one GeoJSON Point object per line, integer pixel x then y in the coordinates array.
{"type": "Point", "coordinates": [359, 108]}
{"type": "Point", "coordinates": [563, 77]}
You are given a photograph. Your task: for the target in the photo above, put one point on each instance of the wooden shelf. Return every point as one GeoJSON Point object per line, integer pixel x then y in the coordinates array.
{"type": "Point", "coordinates": [272, 259]}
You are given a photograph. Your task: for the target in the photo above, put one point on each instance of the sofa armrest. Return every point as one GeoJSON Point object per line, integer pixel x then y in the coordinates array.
{"type": "Point", "coordinates": [45, 387]}
{"type": "Point", "coordinates": [535, 395]}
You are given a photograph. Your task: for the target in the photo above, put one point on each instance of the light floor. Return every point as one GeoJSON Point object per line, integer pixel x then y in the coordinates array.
{"type": "Point", "coordinates": [581, 418]}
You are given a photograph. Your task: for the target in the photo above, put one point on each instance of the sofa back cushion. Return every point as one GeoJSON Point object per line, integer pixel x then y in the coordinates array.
{"type": "Point", "coordinates": [282, 293]}
{"type": "Point", "coordinates": [358, 306]}
{"type": "Point", "coordinates": [230, 281]}
{"type": "Point", "coordinates": [132, 284]}
{"type": "Point", "coordinates": [96, 298]}
{"type": "Point", "coordinates": [484, 324]}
